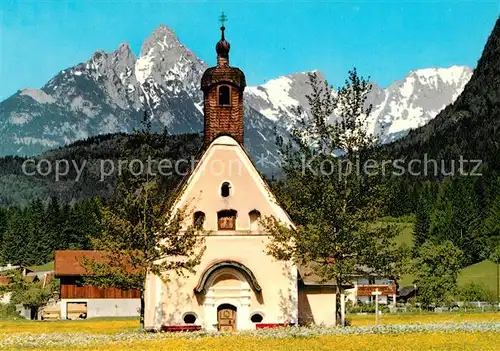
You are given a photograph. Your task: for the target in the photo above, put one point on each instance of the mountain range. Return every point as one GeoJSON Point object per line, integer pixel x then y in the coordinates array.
{"type": "Point", "coordinates": [110, 92]}
{"type": "Point", "coordinates": [469, 127]}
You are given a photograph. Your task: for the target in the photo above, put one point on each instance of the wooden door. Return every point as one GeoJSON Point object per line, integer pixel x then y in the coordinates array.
{"type": "Point", "coordinates": [226, 318]}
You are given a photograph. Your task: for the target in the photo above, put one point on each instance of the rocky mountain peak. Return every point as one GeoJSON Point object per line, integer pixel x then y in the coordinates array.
{"type": "Point", "coordinates": [124, 49]}
{"type": "Point", "coordinates": [491, 51]}
{"type": "Point", "coordinates": [416, 99]}
{"type": "Point", "coordinates": [166, 61]}
{"type": "Point", "coordinates": [160, 39]}
{"type": "Point", "coordinates": [123, 59]}
{"type": "Point", "coordinates": [98, 55]}
{"type": "Point", "coordinates": [434, 76]}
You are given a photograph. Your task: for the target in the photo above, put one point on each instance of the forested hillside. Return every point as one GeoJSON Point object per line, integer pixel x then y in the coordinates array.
{"type": "Point", "coordinates": [29, 235]}
{"type": "Point", "coordinates": [92, 156]}
{"type": "Point", "coordinates": [42, 213]}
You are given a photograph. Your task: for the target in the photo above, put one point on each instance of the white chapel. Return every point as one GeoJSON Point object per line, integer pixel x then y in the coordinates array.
{"type": "Point", "coordinates": [237, 286]}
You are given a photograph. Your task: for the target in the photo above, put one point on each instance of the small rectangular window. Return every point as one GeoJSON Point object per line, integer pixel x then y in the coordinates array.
{"type": "Point", "coordinates": [226, 220]}
{"type": "Point", "coordinates": [224, 95]}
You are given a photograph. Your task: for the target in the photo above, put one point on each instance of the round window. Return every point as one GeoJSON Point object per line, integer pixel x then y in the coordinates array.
{"type": "Point", "coordinates": [256, 318]}
{"type": "Point", "coordinates": [189, 318]}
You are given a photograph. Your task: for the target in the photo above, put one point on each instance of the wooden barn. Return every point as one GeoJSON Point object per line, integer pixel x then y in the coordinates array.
{"type": "Point", "coordinates": [85, 301]}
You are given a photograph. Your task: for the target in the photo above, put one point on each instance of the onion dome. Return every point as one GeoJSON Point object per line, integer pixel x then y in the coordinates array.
{"type": "Point", "coordinates": [222, 47]}
{"type": "Point", "coordinates": [222, 73]}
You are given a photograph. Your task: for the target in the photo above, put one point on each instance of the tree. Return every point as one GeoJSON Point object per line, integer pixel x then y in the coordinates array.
{"type": "Point", "coordinates": [492, 225]}
{"type": "Point", "coordinates": [31, 294]}
{"type": "Point", "coordinates": [54, 229]}
{"type": "Point", "coordinates": [467, 222]}
{"type": "Point", "coordinates": [3, 223]}
{"type": "Point", "coordinates": [142, 236]}
{"type": "Point", "coordinates": [495, 257]}
{"type": "Point", "coordinates": [456, 217]}
{"type": "Point", "coordinates": [14, 248]}
{"type": "Point", "coordinates": [403, 195]}
{"type": "Point", "coordinates": [84, 223]}
{"type": "Point", "coordinates": [333, 206]}
{"type": "Point", "coordinates": [442, 214]}
{"type": "Point", "coordinates": [421, 231]}
{"type": "Point", "coordinates": [37, 245]}
{"type": "Point", "coordinates": [436, 269]}
{"type": "Point", "coordinates": [473, 291]}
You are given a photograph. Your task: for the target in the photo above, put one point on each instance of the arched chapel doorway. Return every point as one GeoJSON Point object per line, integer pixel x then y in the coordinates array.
{"type": "Point", "coordinates": [226, 289]}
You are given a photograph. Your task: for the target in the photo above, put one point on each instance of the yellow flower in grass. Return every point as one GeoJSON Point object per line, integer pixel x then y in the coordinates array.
{"type": "Point", "coordinates": [419, 341]}
{"type": "Point", "coordinates": [425, 318]}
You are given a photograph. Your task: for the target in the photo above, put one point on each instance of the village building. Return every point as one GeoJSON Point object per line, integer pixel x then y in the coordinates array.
{"type": "Point", "coordinates": [79, 300]}
{"type": "Point", "coordinates": [365, 288]}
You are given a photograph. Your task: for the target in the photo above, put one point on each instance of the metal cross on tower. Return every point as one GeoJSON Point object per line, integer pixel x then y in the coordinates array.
{"type": "Point", "coordinates": [222, 19]}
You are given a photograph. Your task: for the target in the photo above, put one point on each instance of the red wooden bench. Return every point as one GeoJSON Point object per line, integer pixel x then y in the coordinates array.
{"type": "Point", "coordinates": [272, 325]}
{"type": "Point", "coordinates": [180, 328]}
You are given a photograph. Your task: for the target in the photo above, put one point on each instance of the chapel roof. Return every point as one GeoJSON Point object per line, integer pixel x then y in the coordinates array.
{"type": "Point", "coordinates": [310, 278]}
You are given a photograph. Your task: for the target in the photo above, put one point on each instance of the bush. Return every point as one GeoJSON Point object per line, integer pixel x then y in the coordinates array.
{"type": "Point", "coordinates": [365, 308]}
{"type": "Point", "coordinates": [472, 292]}
{"type": "Point", "coordinates": [8, 311]}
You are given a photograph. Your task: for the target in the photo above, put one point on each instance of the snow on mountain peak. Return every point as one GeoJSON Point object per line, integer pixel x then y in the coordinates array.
{"type": "Point", "coordinates": [404, 105]}
{"type": "Point", "coordinates": [274, 97]}
{"type": "Point", "coordinates": [413, 101]}
{"type": "Point", "coordinates": [166, 62]}
{"type": "Point", "coordinates": [109, 93]}
{"type": "Point", "coordinates": [38, 95]}
{"type": "Point", "coordinates": [277, 91]}
{"type": "Point", "coordinates": [277, 98]}
{"type": "Point", "coordinates": [144, 66]}
{"type": "Point", "coordinates": [449, 75]}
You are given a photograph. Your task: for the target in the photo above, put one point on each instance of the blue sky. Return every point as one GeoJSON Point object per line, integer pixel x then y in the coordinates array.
{"type": "Point", "coordinates": [384, 39]}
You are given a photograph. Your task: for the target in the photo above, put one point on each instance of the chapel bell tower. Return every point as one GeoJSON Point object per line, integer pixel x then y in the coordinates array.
{"type": "Point", "coordinates": [222, 88]}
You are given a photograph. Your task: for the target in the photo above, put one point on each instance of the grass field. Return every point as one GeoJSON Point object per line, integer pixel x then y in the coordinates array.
{"type": "Point", "coordinates": [425, 318]}
{"type": "Point", "coordinates": [119, 325]}
{"type": "Point", "coordinates": [484, 272]}
{"type": "Point", "coordinates": [433, 341]}
{"type": "Point", "coordinates": [42, 268]}
{"type": "Point", "coordinates": [405, 224]}
{"type": "Point", "coordinates": [481, 332]}
{"type": "Point", "coordinates": [94, 326]}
